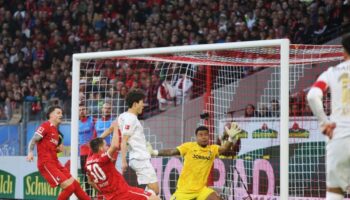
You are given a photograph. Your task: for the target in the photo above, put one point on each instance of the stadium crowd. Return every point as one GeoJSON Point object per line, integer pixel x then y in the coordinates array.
{"type": "Point", "coordinates": [38, 37]}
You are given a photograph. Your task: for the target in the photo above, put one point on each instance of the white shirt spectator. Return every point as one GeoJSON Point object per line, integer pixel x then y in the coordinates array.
{"type": "Point", "coordinates": [165, 95]}
{"type": "Point", "coordinates": [183, 89]}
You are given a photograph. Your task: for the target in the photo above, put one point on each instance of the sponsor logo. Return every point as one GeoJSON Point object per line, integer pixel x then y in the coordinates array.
{"type": "Point", "coordinates": [35, 187]}
{"type": "Point", "coordinates": [296, 132]}
{"type": "Point", "coordinates": [196, 156]}
{"type": "Point", "coordinates": [7, 185]}
{"type": "Point", "coordinates": [127, 127]}
{"type": "Point", "coordinates": [265, 132]}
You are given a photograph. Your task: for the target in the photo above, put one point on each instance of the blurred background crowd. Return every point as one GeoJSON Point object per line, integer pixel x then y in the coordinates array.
{"type": "Point", "coordinates": [38, 38]}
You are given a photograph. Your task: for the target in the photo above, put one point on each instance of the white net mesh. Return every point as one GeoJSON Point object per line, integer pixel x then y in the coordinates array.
{"type": "Point", "coordinates": [213, 88]}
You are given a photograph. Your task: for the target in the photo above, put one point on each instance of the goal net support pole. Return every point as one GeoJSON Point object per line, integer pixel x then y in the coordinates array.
{"type": "Point", "coordinates": [284, 119]}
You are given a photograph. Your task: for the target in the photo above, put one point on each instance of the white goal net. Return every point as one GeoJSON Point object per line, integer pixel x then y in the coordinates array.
{"type": "Point", "coordinates": [213, 85]}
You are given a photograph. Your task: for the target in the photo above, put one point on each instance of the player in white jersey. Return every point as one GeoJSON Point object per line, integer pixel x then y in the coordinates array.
{"type": "Point", "coordinates": [133, 135]}
{"type": "Point", "coordinates": [337, 128]}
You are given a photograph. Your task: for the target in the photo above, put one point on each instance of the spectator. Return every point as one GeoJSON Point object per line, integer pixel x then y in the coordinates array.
{"type": "Point", "coordinates": [275, 108]}
{"type": "Point", "coordinates": [199, 81]}
{"type": "Point", "coordinates": [37, 36]}
{"type": "Point", "coordinates": [183, 89]}
{"type": "Point", "coordinates": [2, 114]}
{"type": "Point", "coordinates": [104, 122]}
{"type": "Point", "coordinates": [119, 101]}
{"type": "Point", "coordinates": [151, 102]}
{"type": "Point", "coordinates": [264, 111]}
{"type": "Point", "coordinates": [250, 111]}
{"type": "Point", "coordinates": [166, 95]}
{"type": "Point", "coordinates": [295, 110]}
{"type": "Point", "coordinates": [8, 108]}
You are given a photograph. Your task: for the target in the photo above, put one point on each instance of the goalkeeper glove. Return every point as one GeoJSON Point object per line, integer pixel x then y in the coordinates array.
{"type": "Point", "coordinates": [150, 149]}
{"type": "Point", "coordinates": [233, 132]}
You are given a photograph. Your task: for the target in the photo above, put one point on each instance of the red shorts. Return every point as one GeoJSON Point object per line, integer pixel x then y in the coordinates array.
{"type": "Point", "coordinates": [133, 193]}
{"type": "Point", "coordinates": [54, 173]}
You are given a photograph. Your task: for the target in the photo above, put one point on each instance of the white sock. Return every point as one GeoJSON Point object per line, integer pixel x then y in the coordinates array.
{"type": "Point", "coordinates": [334, 196]}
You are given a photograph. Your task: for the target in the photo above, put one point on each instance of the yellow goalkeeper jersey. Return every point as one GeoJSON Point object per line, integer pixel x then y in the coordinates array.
{"type": "Point", "coordinates": [197, 165]}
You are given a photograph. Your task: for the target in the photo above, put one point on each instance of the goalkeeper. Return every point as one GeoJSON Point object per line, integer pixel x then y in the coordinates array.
{"type": "Point", "coordinates": [199, 157]}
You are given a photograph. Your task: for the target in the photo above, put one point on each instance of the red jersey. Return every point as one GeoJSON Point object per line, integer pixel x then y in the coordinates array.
{"type": "Point", "coordinates": [47, 146]}
{"type": "Point", "coordinates": [101, 170]}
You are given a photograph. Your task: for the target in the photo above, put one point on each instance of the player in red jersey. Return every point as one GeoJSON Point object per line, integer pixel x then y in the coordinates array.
{"type": "Point", "coordinates": [46, 137]}
{"type": "Point", "coordinates": [103, 175]}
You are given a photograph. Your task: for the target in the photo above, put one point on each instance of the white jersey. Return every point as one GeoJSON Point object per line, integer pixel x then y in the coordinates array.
{"type": "Point", "coordinates": [337, 79]}
{"type": "Point", "coordinates": [131, 126]}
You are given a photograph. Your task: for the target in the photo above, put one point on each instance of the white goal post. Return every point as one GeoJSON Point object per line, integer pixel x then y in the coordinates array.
{"type": "Point", "coordinates": [282, 44]}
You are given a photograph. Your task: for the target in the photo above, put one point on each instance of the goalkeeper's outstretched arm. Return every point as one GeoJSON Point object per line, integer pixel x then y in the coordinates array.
{"type": "Point", "coordinates": [225, 147]}
{"type": "Point", "coordinates": [233, 136]}
{"type": "Point", "coordinates": [169, 152]}
{"type": "Point", "coordinates": [162, 152]}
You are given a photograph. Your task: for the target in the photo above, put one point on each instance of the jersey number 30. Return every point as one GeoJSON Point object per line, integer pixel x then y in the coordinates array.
{"type": "Point", "coordinates": [97, 172]}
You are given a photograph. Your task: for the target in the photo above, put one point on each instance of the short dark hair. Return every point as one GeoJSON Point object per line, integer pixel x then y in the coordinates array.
{"type": "Point", "coordinates": [95, 144]}
{"type": "Point", "coordinates": [134, 96]}
{"type": "Point", "coordinates": [201, 128]}
{"type": "Point", "coordinates": [346, 43]}
{"type": "Point", "coordinates": [50, 110]}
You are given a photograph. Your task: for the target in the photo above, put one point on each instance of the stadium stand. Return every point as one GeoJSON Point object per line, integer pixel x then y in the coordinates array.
{"type": "Point", "coordinates": [38, 38]}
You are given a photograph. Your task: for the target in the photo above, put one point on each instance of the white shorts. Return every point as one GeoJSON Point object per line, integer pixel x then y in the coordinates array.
{"type": "Point", "coordinates": [338, 163]}
{"type": "Point", "coordinates": [144, 171]}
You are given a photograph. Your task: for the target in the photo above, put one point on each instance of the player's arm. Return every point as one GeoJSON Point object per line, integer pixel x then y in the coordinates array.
{"type": "Point", "coordinates": [162, 152]}
{"type": "Point", "coordinates": [35, 139]}
{"type": "Point", "coordinates": [108, 131]}
{"type": "Point", "coordinates": [315, 97]}
{"type": "Point", "coordinates": [124, 149]}
{"type": "Point", "coordinates": [127, 130]}
{"type": "Point", "coordinates": [92, 183]}
{"type": "Point", "coordinates": [115, 140]}
{"type": "Point", "coordinates": [233, 137]}
{"type": "Point", "coordinates": [225, 147]}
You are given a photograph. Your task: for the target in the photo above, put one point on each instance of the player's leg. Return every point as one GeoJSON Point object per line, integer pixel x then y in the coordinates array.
{"type": "Point", "coordinates": [135, 193]}
{"type": "Point", "coordinates": [88, 187]}
{"type": "Point", "coordinates": [154, 197]}
{"type": "Point", "coordinates": [55, 178]}
{"type": "Point", "coordinates": [153, 187]}
{"type": "Point", "coordinates": [67, 189]}
{"type": "Point", "coordinates": [213, 196]}
{"type": "Point", "coordinates": [338, 168]}
{"type": "Point", "coordinates": [72, 184]}
{"type": "Point", "coordinates": [334, 194]}
{"type": "Point", "coordinates": [146, 175]}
